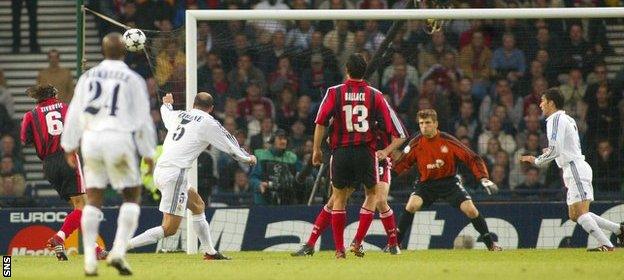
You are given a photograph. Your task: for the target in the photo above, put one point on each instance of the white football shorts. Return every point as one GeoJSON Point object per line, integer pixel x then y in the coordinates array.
{"type": "Point", "coordinates": [577, 177]}
{"type": "Point", "coordinates": [110, 157]}
{"type": "Point", "coordinates": [173, 185]}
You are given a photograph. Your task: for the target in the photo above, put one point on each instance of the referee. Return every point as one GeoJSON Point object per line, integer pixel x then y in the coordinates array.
{"type": "Point", "coordinates": [434, 153]}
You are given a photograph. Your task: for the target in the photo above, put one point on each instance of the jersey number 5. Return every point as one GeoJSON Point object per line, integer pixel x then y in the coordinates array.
{"type": "Point", "coordinates": [361, 112]}
{"type": "Point", "coordinates": [54, 123]}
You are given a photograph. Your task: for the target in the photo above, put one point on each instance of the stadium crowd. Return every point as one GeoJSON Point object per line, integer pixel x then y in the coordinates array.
{"type": "Point", "coordinates": [483, 77]}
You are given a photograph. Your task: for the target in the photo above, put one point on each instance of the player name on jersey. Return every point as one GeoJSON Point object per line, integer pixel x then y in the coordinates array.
{"type": "Point", "coordinates": [189, 117]}
{"type": "Point", "coordinates": [52, 107]}
{"type": "Point", "coordinates": [354, 96]}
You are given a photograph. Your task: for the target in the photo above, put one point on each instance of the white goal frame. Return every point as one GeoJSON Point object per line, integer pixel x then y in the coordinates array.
{"type": "Point", "coordinates": [192, 16]}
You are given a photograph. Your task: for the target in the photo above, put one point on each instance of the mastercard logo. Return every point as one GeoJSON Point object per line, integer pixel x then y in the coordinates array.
{"type": "Point", "coordinates": [32, 240]}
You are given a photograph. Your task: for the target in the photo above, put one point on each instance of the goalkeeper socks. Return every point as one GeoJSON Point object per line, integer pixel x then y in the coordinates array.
{"type": "Point", "coordinates": [90, 222]}
{"type": "Point", "coordinates": [127, 223]}
{"type": "Point", "coordinates": [404, 223]}
{"type": "Point", "coordinates": [606, 224]}
{"type": "Point", "coordinates": [71, 223]}
{"type": "Point", "coordinates": [320, 224]}
{"type": "Point", "coordinates": [148, 237]}
{"type": "Point", "coordinates": [202, 230]}
{"type": "Point", "coordinates": [387, 219]}
{"type": "Point", "coordinates": [366, 218]}
{"type": "Point", "coordinates": [592, 228]}
{"type": "Point", "coordinates": [338, 221]}
{"type": "Point", "coordinates": [481, 226]}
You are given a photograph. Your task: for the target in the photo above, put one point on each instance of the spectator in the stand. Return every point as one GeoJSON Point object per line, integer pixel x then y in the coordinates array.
{"type": "Point", "coordinates": [340, 40]}
{"type": "Point", "coordinates": [411, 73]}
{"type": "Point", "coordinates": [128, 14]}
{"type": "Point", "coordinates": [6, 99]}
{"type": "Point", "coordinates": [474, 60]}
{"type": "Point", "coordinates": [573, 93]}
{"type": "Point", "coordinates": [465, 38]}
{"type": "Point", "coordinates": [536, 70]}
{"type": "Point", "coordinates": [204, 72]}
{"type": "Point", "coordinates": [597, 78]}
{"type": "Point", "coordinates": [400, 89]}
{"type": "Point", "coordinates": [531, 125]}
{"type": "Point", "coordinates": [446, 73]}
{"type": "Point", "coordinates": [531, 147]}
{"type": "Point", "coordinates": [494, 130]}
{"type": "Point", "coordinates": [273, 177]}
{"type": "Point", "coordinates": [300, 36]}
{"type": "Point", "coordinates": [11, 183]}
{"type": "Point", "coordinates": [508, 61]}
{"type": "Point", "coordinates": [513, 105]}
{"type": "Point", "coordinates": [9, 148]}
{"type": "Point", "coordinates": [518, 28]}
{"type": "Point", "coordinates": [551, 67]}
{"type": "Point", "coordinates": [374, 37]}
{"type": "Point", "coordinates": [219, 88]}
{"type": "Point", "coordinates": [542, 41]}
{"type": "Point", "coordinates": [608, 169]}
{"type": "Point", "coordinates": [258, 114]}
{"type": "Point", "coordinates": [468, 119]}
{"type": "Point", "coordinates": [58, 76]}
{"type": "Point", "coordinates": [261, 139]}
{"type": "Point", "coordinates": [205, 35]}
{"type": "Point", "coordinates": [231, 111]}
{"type": "Point", "coordinates": [304, 113]}
{"type": "Point", "coordinates": [531, 181]}
{"type": "Point", "coordinates": [16, 10]}
{"type": "Point", "coordinates": [603, 118]}
{"type": "Point", "coordinates": [286, 108]}
{"type": "Point", "coordinates": [501, 91]}
{"type": "Point", "coordinates": [400, 45]}
{"type": "Point", "coordinates": [283, 76]}
{"type": "Point", "coordinates": [372, 4]}
{"type": "Point", "coordinates": [539, 85]}
{"type": "Point", "coordinates": [270, 26]}
{"type": "Point", "coordinates": [316, 78]}
{"type": "Point", "coordinates": [168, 60]}
{"type": "Point", "coordinates": [269, 58]}
{"type": "Point", "coordinates": [574, 54]}
{"type": "Point", "coordinates": [509, 126]}
{"type": "Point", "coordinates": [432, 53]}
{"type": "Point", "coordinates": [463, 93]}
{"type": "Point", "coordinates": [240, 47]}
{"type": "Point", "coordinates": [244, 74]}
{"type": "Point", "coordinates": [241, 182]}
{"type": "Point", "coordinates": [438, 100]}
{"type": "Point", "coordinates": [335, 4]}
{"type": "Point", "coordinates": [499, 177]}
{"type": "Point", "coordinates": [493, 147]}
{"type": "Point", "coordinates": [254, 96]}
{"type": "Point", "coordinates": [298, 137]}
{"type": "Point", "coordinates": [316, 47]}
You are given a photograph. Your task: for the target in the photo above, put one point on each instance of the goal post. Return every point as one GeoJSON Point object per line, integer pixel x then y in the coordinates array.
{"type": "Point", "coordinates": [193, 16]}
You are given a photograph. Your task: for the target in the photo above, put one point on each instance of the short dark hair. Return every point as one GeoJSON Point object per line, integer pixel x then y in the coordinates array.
{"type": "Point", "coordinates": [356, 66]}
{"type": "Point", "coordinates": [41, 92]}
{"type": "Point", "coordinates": [428, 113]}
{"type": "Point", "coordinates": [203, 100]}
{"type": "Point", "coordinates": [554, 95]}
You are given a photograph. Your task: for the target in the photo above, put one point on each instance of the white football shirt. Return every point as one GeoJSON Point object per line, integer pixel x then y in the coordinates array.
{"type": "Point", "coordinates": [564, 144]}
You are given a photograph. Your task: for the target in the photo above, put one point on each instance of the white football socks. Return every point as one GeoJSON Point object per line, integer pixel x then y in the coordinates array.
{"type": "Point", "coordinates": [90, 223]}
{"type": "Point", "coordinates": [127, 223]}
{"type": "Point", "coordinates": [606, 224]}
{"type": "Point", "coordinates": [148, 237]}
{"type": "Point", "coordinates": [592, 228]}
{"type": "Point", "coordinates": [202, 230]}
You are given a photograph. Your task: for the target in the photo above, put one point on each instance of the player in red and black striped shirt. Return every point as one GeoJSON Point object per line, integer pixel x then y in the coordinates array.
{"type": "Point", "coordinates": [434, 154]}
{"type": "Point", "coordinates": [42, 127]}
{"type": "Point", "coordinates": [354, 108]}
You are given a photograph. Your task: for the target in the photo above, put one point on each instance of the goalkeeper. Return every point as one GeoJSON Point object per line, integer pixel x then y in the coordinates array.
{"type": "Point", "coordinates": [434, 153]}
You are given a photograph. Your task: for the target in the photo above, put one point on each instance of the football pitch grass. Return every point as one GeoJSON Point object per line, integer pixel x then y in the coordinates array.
{"type": "Point", "coordinates": [423, 264]}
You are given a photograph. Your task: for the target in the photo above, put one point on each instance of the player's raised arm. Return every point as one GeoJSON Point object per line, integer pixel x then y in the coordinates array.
{"type": "Point", "coordinates": [469, 157]}
{"type": "Point", "coordinates": [167, 113]}
{"type": "Point", "coordinates": [221, 139]}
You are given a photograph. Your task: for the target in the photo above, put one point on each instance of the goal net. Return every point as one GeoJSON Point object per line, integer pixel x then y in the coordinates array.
{"type": "Point", "coordinates": [482, 70]}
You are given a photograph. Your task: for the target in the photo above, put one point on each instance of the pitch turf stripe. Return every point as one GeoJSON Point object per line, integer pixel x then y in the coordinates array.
{"type": "Point", "coordinates": [577, 180]}
{"type": "Point", "coordinates": [176, 191]}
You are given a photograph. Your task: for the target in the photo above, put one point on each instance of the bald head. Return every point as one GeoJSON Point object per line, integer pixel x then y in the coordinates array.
{"type": "Point", "coordinates": [113, 46]}
{"type": "Point", "coordinates": [203, 101]}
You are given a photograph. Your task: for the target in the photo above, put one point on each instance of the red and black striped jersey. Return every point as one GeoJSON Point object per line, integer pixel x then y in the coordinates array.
{"type": "Point", "coordinates": [435, 157]}
{"type": "Point", "coordinates": [355, 109]}
{"type": "Point", "coordinates": [43, 126]}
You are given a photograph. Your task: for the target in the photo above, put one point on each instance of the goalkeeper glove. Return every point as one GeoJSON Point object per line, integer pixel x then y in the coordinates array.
{"type": "Point", "coordinates": [489, 186]}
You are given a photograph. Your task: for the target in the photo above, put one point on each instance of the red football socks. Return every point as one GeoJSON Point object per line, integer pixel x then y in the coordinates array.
{"type": "Point", "coordinates": [72, 222]}
{"type": "Point", "coordinates": [387, 219]}
{"type": "Point", "coordinates": [338, 220]}
{"type": "Point", "coordinates": [320, 224]}
{"type": "Point", "coordinates": [366, 218]}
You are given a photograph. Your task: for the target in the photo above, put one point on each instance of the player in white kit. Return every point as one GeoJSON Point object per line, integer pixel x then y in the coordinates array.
{"type": "Point", "coordinates": [109, 118]}
{"type": "Point", "coordinates": [564, 147]}
{"type": "Point", "coordinates": [189, 133]}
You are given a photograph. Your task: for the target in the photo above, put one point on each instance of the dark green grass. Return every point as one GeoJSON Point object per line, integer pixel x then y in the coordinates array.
{"type": "Point", "coordinates": [426, 264]}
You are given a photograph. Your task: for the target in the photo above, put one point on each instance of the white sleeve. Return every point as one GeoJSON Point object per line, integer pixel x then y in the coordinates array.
{"type": "Point", "coordinates": [168, 116]}
{"type": "Point", "coordinates": [555, 130]}
{"type": "Point", "coordinates": [220, 138]}
{"type": "Point", "coordinates": [72, 131]}
{"type": "Point", "coordinates": [145, 136]}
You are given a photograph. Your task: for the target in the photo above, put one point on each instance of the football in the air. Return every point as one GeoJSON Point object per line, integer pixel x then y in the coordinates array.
{"type": "Point", "coordinates": [134, 40]}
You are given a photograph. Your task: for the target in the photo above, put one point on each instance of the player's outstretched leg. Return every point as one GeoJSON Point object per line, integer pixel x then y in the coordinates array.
{"type": "Point", "coordinates": [339, 219]}
{"type": "Point", "coordinates": [479, 224]}
{"type": "Point", "coordinates": [387, 218]}
{"type": "Point", "coordinates": [405, 222]}
{"type": "Point", "coordinates": [323, 220]}
{"type": "Point", "coordinates": [201, 226]}
{"type": "Point", "coordinates": [90, 223]}
{"type": "Point", "coordinates": [127, 223]}
{"type": "Point", "coordinates": [617, 229]}
{"type": "Point", "coordinates": [579, 212]}
{"type": "Point", "coordinates": [366, 218]}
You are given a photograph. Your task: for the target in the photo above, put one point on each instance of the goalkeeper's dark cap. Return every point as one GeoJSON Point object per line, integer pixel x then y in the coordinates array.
{"type": "Point", "coordinates": [356, 66]}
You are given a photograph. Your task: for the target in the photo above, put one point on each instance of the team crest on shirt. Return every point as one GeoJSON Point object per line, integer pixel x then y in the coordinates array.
{"type": "Point", "coordinates": [444, 149]}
